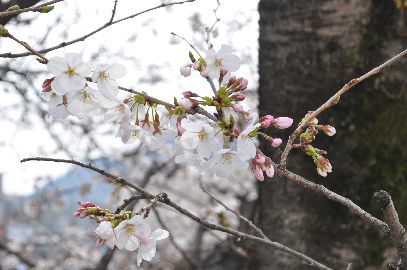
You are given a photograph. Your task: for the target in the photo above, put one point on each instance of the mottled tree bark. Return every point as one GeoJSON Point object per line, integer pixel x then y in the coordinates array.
{"type": "Point", "coordinates": [308, 50]}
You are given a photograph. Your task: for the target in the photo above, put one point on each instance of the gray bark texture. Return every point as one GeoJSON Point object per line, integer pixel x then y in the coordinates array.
{"type": "Point", "coordinates": [308, 50]}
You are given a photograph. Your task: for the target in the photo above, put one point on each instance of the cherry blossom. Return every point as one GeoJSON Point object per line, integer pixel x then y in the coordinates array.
{"type": "Point", "coordinates": [147, 248]}
{"type": "Point", "coordinates": [106, 234]}
{"type": "Point", "coordinates": [129, 231]}
{"type": "Point", "coordinates": [224, 58]}
{"type": "Point", "coordinates": [84, 103]}
{"type": "Point", "coordinates": [132, 133]}
{"type": "Point", "coordinates": [199, 136]}
{"type": "Point", "coordinates": [70, 73]}
{"type": "Point", "coordinates": [226, 162]}
{"type": "Point", "coordinates": [106, 77]}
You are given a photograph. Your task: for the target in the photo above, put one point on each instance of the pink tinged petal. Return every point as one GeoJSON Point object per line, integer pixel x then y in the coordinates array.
{"type": "Point", "coordinates": [109, 88]}
{"type": "Point", "coordinates": [132, 243]}
{"type": "Point", "coordinates": [57, 65]}
{"type": "Point", "coordinates": [60, 84]}
{"type": "Point", "coordinates": [160, 234]}
{"type": "Point", "coordinates": [83, 69]}
{"type": "Point", "coordinates": [116, 71]}
{"type": "Point", "coordinates": [231, 62]}
{"type": "Point", "coordinates": [150, 252]}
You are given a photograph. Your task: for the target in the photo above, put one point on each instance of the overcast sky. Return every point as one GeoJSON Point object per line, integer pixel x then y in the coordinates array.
{"type": "Point", "coordinates": [145, 40]}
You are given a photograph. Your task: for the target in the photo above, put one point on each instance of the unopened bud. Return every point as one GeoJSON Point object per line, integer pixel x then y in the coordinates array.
{"type": "Point", "coordinates": [185, 71]}
{"type": "Point", "coordinates": [46, 9]}
{"type": "Point", "coordinates": [266, 121]}
{"type": "Point", "coordinates": [283, 122]}
{"type": "Point", "coordinates": [46, 85]}
{"type": "Point", "coordinates": [189, 94]}
{"type": "Point", "coordinates": [238, 97]}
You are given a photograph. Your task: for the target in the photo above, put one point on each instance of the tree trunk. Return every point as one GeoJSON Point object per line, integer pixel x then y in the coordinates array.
{"type": "Point", "coordinates": [308, 50]}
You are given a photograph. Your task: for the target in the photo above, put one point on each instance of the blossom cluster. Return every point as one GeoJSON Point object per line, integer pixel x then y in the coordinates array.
{"type": "Point", "coordinates": [125, 231]}
{"type": "Point", "coordinates": [215, 144]}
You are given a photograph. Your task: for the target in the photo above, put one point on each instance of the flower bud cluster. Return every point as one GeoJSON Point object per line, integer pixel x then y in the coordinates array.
{"type": "Point", "coordinates": [308, 136]}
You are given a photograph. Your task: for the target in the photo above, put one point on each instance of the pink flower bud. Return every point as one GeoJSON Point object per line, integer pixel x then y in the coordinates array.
{"type": "Point", "coordinates": [232, 80]}
{"type": "Point", "coordinates": [328, 130]}
{"type": "Point", "coordinates": [238, 97]}
{"type": "Point", "coordinates": [266, 121]}
{"type": "Point", "coordinates": [243, 85]}
{"type": "Point", "coordinates": [46, 85]}
{"type": "Point", "coordinates": [189, 94]}
{"type": "Point", "coordinates": [260, 158]}
{"type": "Point", "coordinates": [276, 142]}
{"type": "Point", "coordinates": [283, 122]}
{"type": "Point", "coordinates": [180, 129]}
{"type": "Point", "coordinates": [185, 71]}
{"type": "Point", "coordinates": [270, 170]}
{"type": "Point", "coordinates": [258, 173]}
{"type": "Point", "coordinates": [237, 108]}
{"type": "Point", "coordinates": [87, 204]}
{"type": "Point", "coordinates": [196, 65]}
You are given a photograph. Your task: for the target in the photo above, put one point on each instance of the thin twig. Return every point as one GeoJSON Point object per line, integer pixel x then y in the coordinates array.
{"type": "Point", "coordinates": [113, 11]}
{"type": "Point", "coordinates": [146, 209]}
{"type": "Point", "coordinates": [22, 10]}
{"type": "Point", "coordinates": [332, 101]}
{"type": "Point", "coordinates": [82, 38]}
{"type": "Point", "coordinates": [128, 201]}
{"type": "Point", "coordinates": [187, 213]}
{"type": "Point", "coordinates": [42, 58]}
{"type": "Point", "coordinates": [189, 43]}
{"type": "Point", "coordinates": [244, 219]}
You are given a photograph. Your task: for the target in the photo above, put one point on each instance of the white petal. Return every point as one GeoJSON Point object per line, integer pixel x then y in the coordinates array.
{"type": "Point", "coordinates": [76, 83]}
{"type": "Point", "coordinates": [224, 51]}
{"type": "Point", "coordinates": [73, 59]}
{"type": "Point", "coordinates": [246, 147]}
{"type": "Point", "coordinates": [205, 148]}
{"type": "Point", "coordinates": [116, 71]}
{"type": "Point", "coordinates": [59, 113]}
{"type": "Point", "coordinates": [83, 69]}
{"type": "Point", "coordinates": [122, 238]}
{"type": "Point", "coordinates": [132, 244]}
{"type": "Point", "coordinates": [160, 234]}
{"type": "Point", "coordinates": [108, 88]}
{"type": "Point", "coordinates": [231, 62]}
{"type": "Point", "coordinates": [57, 65]}
{"type": "Point", "coordinates": [60, 84]}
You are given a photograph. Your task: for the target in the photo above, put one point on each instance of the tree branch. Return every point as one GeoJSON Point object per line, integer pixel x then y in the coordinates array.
{"type": "Point", "coordinates": [22, 10]}
{"type": "Point", "coordinates": [20, 256]}
{"type": "Point", "coordinates": [192, 216]}
{"type": "Point", "coordinates": [332, 101]}
{"type": "Point", "coordinates": [397, 232]}
{"type": "Point", "coordinates": [82, 38]}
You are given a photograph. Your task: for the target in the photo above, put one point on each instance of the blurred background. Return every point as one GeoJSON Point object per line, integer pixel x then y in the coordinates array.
{"type": "Point", "coordinates": [295, 54]}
